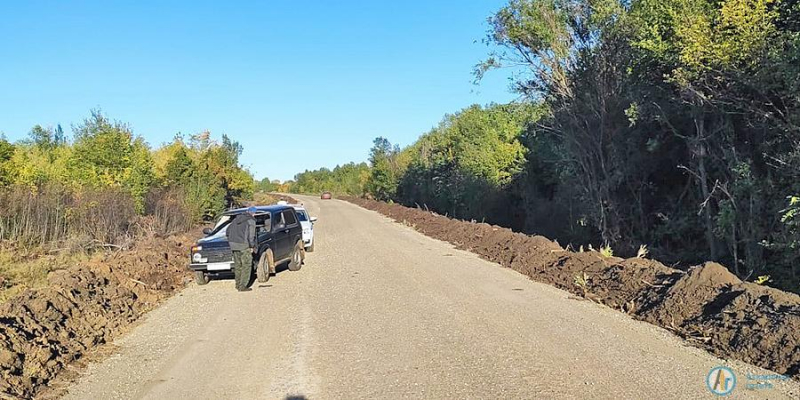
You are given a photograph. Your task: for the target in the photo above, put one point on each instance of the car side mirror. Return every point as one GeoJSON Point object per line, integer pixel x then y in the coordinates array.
{"type": "Point", "coordinates": [313, 219]}
{"type": "Point", "coordinates": [207, 231]}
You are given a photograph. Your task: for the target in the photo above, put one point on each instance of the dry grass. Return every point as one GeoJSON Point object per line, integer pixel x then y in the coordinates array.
{"type": "Point", "coordinates": [22, 269]}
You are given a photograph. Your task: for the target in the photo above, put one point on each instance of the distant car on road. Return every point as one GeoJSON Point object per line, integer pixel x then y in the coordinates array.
{"type": "Point", "coordinates": [279, 235]}
{"type": "Point", "coordinates": [325, 196]}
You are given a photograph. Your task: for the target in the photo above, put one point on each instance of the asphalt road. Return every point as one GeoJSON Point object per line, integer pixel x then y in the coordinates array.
{"type": "Point", "coordinates": [380, 311]}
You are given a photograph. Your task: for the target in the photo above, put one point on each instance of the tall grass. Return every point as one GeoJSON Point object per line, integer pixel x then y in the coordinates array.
{"type": "Point", "coordinates": [32, 218]}
{"type": "Point", "coordinates": [53, 215]}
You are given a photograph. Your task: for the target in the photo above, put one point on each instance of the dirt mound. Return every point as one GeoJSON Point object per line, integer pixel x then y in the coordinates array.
{"type": "Point", "coordinates": [707, 305]}
{"type": "Point", "coordinates": [44, 330]}
{"type": "Point", "coordinates": [262, 199]}
{"type": "Point", "coordinates": [688, 297]}
{"type": "Point", "coordinates": [760, 325]}
{"type": "Point", "coordinates": [632, 285]}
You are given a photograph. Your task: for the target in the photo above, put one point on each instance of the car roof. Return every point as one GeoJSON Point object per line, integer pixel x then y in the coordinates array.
{"type": "Point", "coordinates": [259, 209]}
{"type": "Point", "coordinates": [298, 207]}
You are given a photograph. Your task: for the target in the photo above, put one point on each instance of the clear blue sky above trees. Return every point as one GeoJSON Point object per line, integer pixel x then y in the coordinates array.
{"type": "Point", "coordinates": [323, 78]}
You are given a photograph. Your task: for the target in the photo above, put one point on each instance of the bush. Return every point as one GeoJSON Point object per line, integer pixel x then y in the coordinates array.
{"type": "Point", "coordinates": [52, 214]}
{"type": "Point", "coordinates": [33, 218]}
{"type": "Point", "coordinates": [169, 210]}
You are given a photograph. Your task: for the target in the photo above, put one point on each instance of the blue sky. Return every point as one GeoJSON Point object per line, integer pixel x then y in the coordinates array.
{"type": "Point", "coordinates": [301, 85]}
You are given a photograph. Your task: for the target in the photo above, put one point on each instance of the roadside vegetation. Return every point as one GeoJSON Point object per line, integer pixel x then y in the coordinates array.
{"type": "Point", "coordinates": [673, 125]}
{"type": "Point", "coordinates": [271, 186]}
{"type": "Point", "coordinates": [349, 179]}
{"type": "Point", "coordinates": [65, 199]}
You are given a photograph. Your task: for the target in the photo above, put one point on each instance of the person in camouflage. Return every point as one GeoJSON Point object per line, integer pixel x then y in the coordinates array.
{"type": "Point", "coordinates": [242, 238]}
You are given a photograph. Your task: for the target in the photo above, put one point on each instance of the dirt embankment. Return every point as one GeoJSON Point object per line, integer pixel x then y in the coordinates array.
{"type": "Point", "coordinates": [286, 198]}
{"type": "Point", "coordinates": [43, 331]}
{"type": "Point", "coordinates": [260, 199]}
{"type": "Point", "coordinates": [706, 304]}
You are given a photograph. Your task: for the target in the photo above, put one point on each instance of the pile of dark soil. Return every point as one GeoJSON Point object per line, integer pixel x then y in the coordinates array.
{"type": "Point", "coordinates": [262, 199]}
{"type": "Point", "coordinates": [706, 304]}
{"type": "Point", "coordinates": [286, 198]}
{"type": "Point", "coordinates": [43, 330]}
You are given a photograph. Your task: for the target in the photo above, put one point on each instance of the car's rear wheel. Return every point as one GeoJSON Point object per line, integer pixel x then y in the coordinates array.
{"type": "Point", "coordinates": [201, 277]}
{"type": "Point", "coordinates": [264, 266]}
{"type": "Point", "coordinates": [298, 255]}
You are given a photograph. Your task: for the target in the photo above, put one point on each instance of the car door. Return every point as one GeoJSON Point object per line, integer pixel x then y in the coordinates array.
{"type": "Point", "coordinates": [295, 231]}
{"type": "Point", "coordinates": [280, 235]}
{"type": "Point", "coordinates": [263, 229]}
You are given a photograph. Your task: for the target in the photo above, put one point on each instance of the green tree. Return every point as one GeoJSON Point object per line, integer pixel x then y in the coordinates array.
{"type": "Point", "coordinates": [265, 185]}
{"type": "Point", "coordinates": [180, 168]}
{"type": "Point", "coordinates": [6, 166]}
{"type": "Point", "coordinates": [462, 167]}
{"type": "Point", "coordinates": [669, 122]}
{"type": "Point", "coordinates": [107, 153]}
{"type": "Point", "coordinates": [209, 172]}
{"type": "Point", "coordinates": [385, 169]}
{"type": "Point", "coordinates": [43, 138]}
{"type": "Point", "coordinates": [350, 179]}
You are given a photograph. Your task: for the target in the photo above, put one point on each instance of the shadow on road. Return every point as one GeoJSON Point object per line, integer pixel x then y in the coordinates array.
{"type": "Point", "coordinates": [280, 268]}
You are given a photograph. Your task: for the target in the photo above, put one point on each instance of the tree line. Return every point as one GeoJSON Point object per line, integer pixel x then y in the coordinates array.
{"type": "Point", "coordinates": [105, 182]}
{"type": "Point", "coordinates": [349, 179]}
{"type": "Point", "coordinates": [668, 123]}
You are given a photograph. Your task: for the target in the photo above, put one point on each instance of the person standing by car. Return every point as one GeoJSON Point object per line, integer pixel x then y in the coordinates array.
{"type": "Point", "coordinates": [242, 238]}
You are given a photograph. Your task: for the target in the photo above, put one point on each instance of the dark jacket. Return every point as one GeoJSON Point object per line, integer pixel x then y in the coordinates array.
{"type": "Point", "coordinates": [242, 232]}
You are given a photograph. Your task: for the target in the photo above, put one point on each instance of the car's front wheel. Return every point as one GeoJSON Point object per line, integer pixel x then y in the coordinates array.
{"type": "Point", "coordinates": [201, 277]}
{"type": "Point", "coordinates": [298, 255]}
{"type": "Point", "coordinates": [263, 267]}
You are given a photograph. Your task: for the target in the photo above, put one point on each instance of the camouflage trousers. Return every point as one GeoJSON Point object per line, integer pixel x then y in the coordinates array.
{"type": "Point", "coordinates": [242, 268]}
